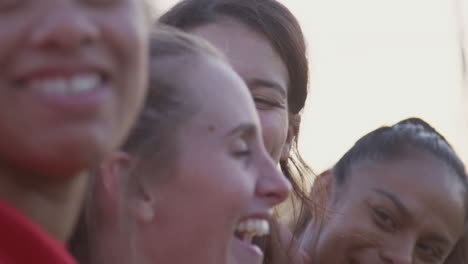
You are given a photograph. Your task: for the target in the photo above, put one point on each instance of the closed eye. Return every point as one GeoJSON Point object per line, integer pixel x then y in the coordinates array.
{"type": "Point", "coordinates": [240, 139]}
{"type": "Point", "coordinates": [244, 153]}
{"type": "Point", "coordinates": [101, 2]}
{"type": "Point", "coordinates": [262, 103]}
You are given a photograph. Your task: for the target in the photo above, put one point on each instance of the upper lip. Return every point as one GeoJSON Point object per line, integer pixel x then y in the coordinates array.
{"type": "Point", "coordinates": [266, 215]}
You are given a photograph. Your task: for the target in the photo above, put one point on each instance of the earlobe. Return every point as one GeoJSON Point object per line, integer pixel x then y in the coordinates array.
{"type": "Point", "coordinates": [293, 129]}
{"type": "Point", "coordinates": [121, 182]}
{"type": "Point", "coordinates": [142, 205]}
{"type": "Point", "coordinates": [144, 211]}
{"type": "Point", "coordinates": [141, 198]}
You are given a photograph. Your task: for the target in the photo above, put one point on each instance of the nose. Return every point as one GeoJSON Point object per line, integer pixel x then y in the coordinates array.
{"type": "Point", "coordinates": [400, 253]}
{"type": "Point", "coordinates": [64, 27]}
{"type": "Point", "coordinates": [272, 185]}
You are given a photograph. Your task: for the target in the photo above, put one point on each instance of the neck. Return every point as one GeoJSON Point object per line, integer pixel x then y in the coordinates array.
{"type": "Point", "coordinates": [52, 204]}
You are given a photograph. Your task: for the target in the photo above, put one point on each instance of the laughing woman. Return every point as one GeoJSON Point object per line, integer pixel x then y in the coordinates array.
{"type": "Point", "coordinates": [264, 43]}
{"type": "Point", "coordinates": [399, 195]}
{"type": "Point", "coordinates": [71, 82]}
{"type": "Point", "coordinates": [193, 183]}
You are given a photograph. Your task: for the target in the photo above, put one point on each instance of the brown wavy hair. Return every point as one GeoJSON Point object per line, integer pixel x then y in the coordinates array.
{"type": "Point", "coordinates": [280, 27]}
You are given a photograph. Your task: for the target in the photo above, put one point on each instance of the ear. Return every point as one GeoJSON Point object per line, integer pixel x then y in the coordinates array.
{"type": "Point", "coordinates": [322, 187]}
{"type": "Point", "coordinates": [141, 196]}
{"type": "Point", "coordinates": [321, 195]}
{"type": "Point", "coordinates": [107, 191]}
{"type": "Point", "coordinates": [293, 130]}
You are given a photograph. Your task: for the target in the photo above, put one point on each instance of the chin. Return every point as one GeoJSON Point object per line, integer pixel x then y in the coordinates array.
{"type": "Point", "coordinates": [66, 161]}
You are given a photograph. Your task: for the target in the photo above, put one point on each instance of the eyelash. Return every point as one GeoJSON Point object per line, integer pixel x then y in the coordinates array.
{"type": "Point", "coordinates": [264, 101]}
{"type": "Point", "coordinates": [101, 3]}
{"type": "Point", "coordinates": [243, 153]}
{"type": "Point", "coordinates": [434, 254]}
{"type": "Point", "coordinates": [384, 219]}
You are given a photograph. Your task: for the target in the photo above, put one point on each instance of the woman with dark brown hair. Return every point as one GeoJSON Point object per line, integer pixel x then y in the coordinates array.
{"type": "Point", "coordinates": [72, 80]}
{"type": "Point", "coordinates": [265, 45]}
{"type": "Point", "coordinates": [399, 195]}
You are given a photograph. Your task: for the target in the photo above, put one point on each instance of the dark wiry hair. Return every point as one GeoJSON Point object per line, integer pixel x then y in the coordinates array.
{"type": "Point", "coordinates": [392, 142]}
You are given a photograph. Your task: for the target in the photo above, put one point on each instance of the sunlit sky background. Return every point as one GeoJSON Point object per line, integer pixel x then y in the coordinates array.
{"type": "Point", "coordinates": [374, 62]}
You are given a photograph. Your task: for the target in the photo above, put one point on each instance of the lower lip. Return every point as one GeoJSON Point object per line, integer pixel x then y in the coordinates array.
{"type": "Point", "coordinates": [246, 252]}
{"type": "Point", "coordinates": [85, 102]}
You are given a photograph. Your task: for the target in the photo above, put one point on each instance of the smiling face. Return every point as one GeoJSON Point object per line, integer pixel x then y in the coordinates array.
{"type": "Point", "coordinates": [221, 184]}
{"type": "Point", "coordinates": [73, 77]}
{"type": "Point", "coordinates": [403, 211]}
{"type": "Point", "coordinates": [254, 59]}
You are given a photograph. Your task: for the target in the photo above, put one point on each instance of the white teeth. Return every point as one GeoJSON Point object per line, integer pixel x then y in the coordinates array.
{"type": "Point", "coordinates": [253, 227]}
{"type": "Point", "coordinates": [84, 83]}
{"type": "Point", "coordinates": [61, 86]}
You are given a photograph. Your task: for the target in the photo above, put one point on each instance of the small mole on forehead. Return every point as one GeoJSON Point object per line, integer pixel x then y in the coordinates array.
{"type": "Point", "coordinates": [211, 128]}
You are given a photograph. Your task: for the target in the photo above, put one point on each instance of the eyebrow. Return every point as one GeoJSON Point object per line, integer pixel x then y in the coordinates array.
{"type": "Point", "coordinates": [244, 128]}
{"type": "Point", "coordinates": [268, 84]}
{"type": "Point", "coordinates": [396, 201]}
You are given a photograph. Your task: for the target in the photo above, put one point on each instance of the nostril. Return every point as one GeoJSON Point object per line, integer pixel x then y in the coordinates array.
{"type": "Point", "coordinates": [65, 32]}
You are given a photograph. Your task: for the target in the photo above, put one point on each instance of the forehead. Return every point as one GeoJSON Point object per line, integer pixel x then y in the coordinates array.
{"type": "Point", "coordinates": [425, 184]}
{"type": "Point", "coordinates": [426, 170]}
{"type": "Point", "coordinates": [250, 53]}
{"type": "Point", "coordinates": [221, 93]}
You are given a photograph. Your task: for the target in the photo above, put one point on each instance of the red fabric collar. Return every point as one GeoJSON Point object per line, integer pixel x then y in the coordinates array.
{"type": "Point", "coordinates": [22, 242]}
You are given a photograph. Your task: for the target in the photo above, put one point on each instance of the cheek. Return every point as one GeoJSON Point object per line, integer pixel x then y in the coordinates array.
{"type": "Point", "coordinates": [126, 36]}
{"type": "Point", "coordinates": [274, 131]}
{"type": "Point", "coordinates": [14, 33]}
{"type": "Point", "coordinates": [220, 184]}
{"type": "Point", "coordinates": [233, 185]}
{"type": "Point", "coordinates": [347, 233]}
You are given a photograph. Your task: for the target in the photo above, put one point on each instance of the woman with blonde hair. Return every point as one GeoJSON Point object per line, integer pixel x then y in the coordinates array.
{"type": "Point", "coordinates": [193, 183]}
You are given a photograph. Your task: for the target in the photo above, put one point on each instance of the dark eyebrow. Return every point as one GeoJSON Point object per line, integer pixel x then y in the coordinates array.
{"type": "Point", "coordinates": [247, 129]}
{"type": "Point", "coordinates": [268, 84]}
{"type": "Point", "coordinates": [440, 239]}
{"type": "Point", "coordinates": [403, 210]}
{"type": "Point", "coordinates": [396, 201]}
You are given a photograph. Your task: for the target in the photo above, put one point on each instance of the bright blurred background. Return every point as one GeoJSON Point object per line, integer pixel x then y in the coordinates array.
{"type": "Point", "coordinates": [374, 62]}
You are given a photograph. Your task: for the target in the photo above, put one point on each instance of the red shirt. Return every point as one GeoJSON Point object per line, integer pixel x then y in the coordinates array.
{"type": "Point", "coordinates": [22, 242]}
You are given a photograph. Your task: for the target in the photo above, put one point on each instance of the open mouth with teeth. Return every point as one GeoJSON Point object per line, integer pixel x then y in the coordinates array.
{"type": "Point", "coordinates": [250, 228]}
{"type": "Point", "coordinates": [80, 92]}
{"type": "Point", "coordinates": [75, 85]}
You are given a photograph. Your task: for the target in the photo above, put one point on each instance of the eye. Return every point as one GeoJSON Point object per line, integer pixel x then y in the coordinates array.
{"type": "Point", "coordinates": [101, 2]}
{"type": "Point", "coordinates": [266, 103]}
{"type": "Point", "coordinates": [384, 219]}
{"type": "Point", "coordinates": [429, 253]}
{"type": "Point", "coordinates": [241, 149]}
